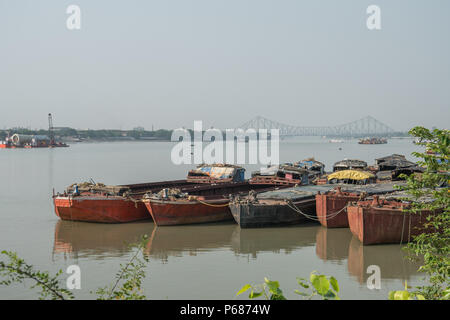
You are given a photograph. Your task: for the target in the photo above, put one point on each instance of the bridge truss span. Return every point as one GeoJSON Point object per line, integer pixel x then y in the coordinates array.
{"type": "Point", "coordinates": [367, 126]}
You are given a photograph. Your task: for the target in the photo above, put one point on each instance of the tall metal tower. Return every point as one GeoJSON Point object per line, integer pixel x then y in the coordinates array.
{"type": "Point", "coordinates": [51, 135]}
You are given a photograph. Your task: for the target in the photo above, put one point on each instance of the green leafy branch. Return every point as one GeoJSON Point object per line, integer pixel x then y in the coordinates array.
{"type": "Point", "coordinates": [318, 285]}
{"type": "Point", "coordinates": [405, 294]}
{"type": "Point", "coordinates": [130, 275]}
{"type": "Point", "coordinates": [432, 184]}
{"type": "Point", "coordinates": [16, 270]}
{"type": "Point", "coordinates": [127, 284]}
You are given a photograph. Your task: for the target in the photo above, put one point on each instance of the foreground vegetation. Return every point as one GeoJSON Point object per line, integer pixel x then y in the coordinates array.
{"type": "Point", "coordinates": [319, 285]}
{"type": "Point", "coordinates": [126, 286]}
{"type": "Point", "coordinates": [433, 246]}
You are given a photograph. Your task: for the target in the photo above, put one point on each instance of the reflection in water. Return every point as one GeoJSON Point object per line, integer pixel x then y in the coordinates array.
{"type": "Point", "coordinates": [253, 241]}
{"type": "Point", "coordinates": [390, 258]}
{"type": "Point", "coordinates": [82, 239]}
{"type": "Point", "coordinates": [175, 240]}
{"type": "Point", "coordinates": [98, 241]}
{"type": "Point", "coordinates": [332, 244]}
{"type": "Point", "coordinates": [108, 240]}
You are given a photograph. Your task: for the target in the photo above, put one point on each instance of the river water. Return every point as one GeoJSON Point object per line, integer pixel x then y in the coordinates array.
{"type": "Point", "coordinates": [209, 261]}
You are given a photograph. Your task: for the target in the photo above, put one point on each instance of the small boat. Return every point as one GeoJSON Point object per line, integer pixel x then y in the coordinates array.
{"type": "Point", "coordinates": [315, 168]}
{"type": "Point", "coordinates": [373, 140]}
{"type": "Point", "coordinates": [6, 144]}
{"type": "Point", "coordinates": [379, 221]}
{"type": "Point", "coordinates": [277, 207]}
{"type": "Point", "coordinates": [216, 173]}
{"type": "Point", "coordinates": [351, 177]}
{"type": "Point", "coordinates": [391, 167]}
{"type": "Point", "coordinates": [285, 174]}
{"type": "Point", "coordinates": [350, 164]}
{"type": "Point", "coordinates": [299, 173]}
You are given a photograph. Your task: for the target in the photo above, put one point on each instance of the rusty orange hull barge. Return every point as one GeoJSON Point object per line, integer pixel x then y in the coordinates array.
{"type": "Point", "coordinates": [103, 208]}
{"type": "Point", "coordinates": [100, 209]}
{"type": "Point", "coordinates": [165, 213]}
{"type": "Point", "coordinates": [331, 208]}
{"type": "Point", "coordinates": [331, 205]}
{"type": "Point", "coordinates": [203, 205]}
{"type": "Point", "coordinates": [385, 222]}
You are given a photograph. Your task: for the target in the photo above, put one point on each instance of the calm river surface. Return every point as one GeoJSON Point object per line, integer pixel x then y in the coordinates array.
{"type": "Point", "coordinates": [210, 261]}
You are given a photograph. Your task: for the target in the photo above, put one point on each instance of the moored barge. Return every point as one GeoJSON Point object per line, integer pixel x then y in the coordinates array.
{"type": "Point", "coordinates": [332, 205]}
{"type": "Point", "coordinates": [92, 202]}
{"type": "Point", "coordinates": [301, 172]}
{"type": "Point", "coordinates": [373, 140]}
{"type": "Point", "coordinates": [349, 164]}
{"type": "Point", "coordinates": [385, 221]}
{"type": "Point", "coordinates": [107, 204]}
{"type": "Point", "coordinates": [285, 175]}
{"type": "Point", "coordinates": [277, 208]}
{"type": "Point", "coordinates": [202, 205]}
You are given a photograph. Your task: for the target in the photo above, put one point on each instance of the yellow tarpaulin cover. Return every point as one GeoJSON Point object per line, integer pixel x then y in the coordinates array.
{"type": "Point", "coordinates": [350, 174]}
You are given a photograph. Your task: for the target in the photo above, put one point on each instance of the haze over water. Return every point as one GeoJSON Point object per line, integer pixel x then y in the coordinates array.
{"type": "Point", "coordinates": [209, 261]}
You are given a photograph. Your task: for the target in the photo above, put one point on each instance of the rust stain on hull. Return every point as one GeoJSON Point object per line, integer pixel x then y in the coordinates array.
{"type": "Point", "coordinates": [331, 210]}
{"type": "Point", "coordinates": [385, 223]}
{"type": "Point", "coordinates": [98, 209]}
{"type": "Point", "coordinates": [167, 213]}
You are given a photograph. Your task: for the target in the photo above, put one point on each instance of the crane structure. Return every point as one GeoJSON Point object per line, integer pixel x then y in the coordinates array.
{"type": "Point", "coordinates": [51, 133]}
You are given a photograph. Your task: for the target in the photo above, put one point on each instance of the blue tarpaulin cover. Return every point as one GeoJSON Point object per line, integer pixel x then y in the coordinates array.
{"type": "Point", "coordinates": [222, 172]}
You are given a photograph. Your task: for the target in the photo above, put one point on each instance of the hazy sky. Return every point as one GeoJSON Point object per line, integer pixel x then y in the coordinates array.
{"type": "Point", "coordinates": [170, 62]}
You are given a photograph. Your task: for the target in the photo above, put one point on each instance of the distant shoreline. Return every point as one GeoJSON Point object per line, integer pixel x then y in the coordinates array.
{"type": "Point", "coordinates": [113, 140]}
{"type": "Point", "coordinates": [70, 135]}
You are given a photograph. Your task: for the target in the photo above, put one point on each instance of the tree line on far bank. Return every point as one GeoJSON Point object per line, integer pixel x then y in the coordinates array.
{"type": "Point", "coordinates": [90, 134]}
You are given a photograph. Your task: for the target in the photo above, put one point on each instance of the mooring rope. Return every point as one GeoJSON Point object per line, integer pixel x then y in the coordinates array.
{"type": "Point", "coordinates": [70, 207]}
{"type": "Point", "coordinates": [136, 201]}
{"type": "Point", "coordinates": [409, 233]}
{"type": "Point", "coordinates": [212, 205]}
{"type": "Point", "coordinates": [296, 209]}
{"type": "Point", "coordinates": [312, 217]}
{"type": "Point", "coordinates": [403, 229]}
